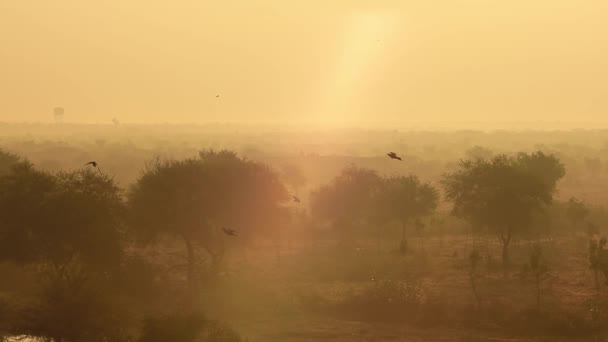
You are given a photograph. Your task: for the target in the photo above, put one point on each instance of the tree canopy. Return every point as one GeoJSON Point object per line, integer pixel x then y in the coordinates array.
{"type": "Point", "coordinates": [193, 198]}
{"type": "Point", "coordinates": [348, 198]}
{"type": "Point", "coordinates": [405, 199]}
{"type": "Point", "coordinates": [503, 193]}
{"type": "Point", "coordinates": [78, 215]}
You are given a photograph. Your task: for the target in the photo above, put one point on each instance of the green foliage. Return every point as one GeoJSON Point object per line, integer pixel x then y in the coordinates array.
{"type": "Point", "coordinates": [8, 161]}
{"type": "Point", "coordinates": [55, 219]}
{"type": "Point", "coordinates": [63, 311]}
{"type": "Point", "coordinates": [505, 193]}
{"type": "Point", "coordinates": [576, 210]}
{"type": "Point", "coordinates": [405, 199]}
{"type": "Point", "coordinates": [193, 198]}
{"type": "Point", "coordinates": [190, 197]}
{"type": "Point", "coordinates": [538, 268]}
{"type": "Point", "coordinates": [348, 199]}
{"type": "Point", "coordinates": [479, 152]}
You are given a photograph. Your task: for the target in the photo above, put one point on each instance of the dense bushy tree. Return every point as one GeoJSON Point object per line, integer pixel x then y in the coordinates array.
{"type": "Point", "coordinates": [405, 199]}
{"type": "Point", "coordinates": [7, 161]}
{"type": "Point", "coordinates": [59, 219]}
{"type": "Point", "coordinates": [576, 211]}
{"type": "Point", "coordinates": [503, 194]}
{"type": "Point", "coordinates": [193, 198]}
{"type": "Point", "coordinates": [479, 152]}
{"type": "Point", "coordinates": [69, 225]}
{"type": "Point", "coordinates": [348, 198]}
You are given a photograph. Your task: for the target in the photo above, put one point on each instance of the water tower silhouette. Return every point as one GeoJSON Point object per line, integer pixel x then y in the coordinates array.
{"type": "Point", "coordinates": [58, 112]}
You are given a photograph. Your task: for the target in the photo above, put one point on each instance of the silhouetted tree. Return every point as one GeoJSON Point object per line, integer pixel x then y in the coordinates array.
{"type": "Point", "coordinates": [474, 260]}
{"type": "Point", "coordinates": [69, 226]}
{"type": "Point", "coordinates": [7, 161]}
{"type": "Point", "coordinates": [503, 194]}
{"type": "Point", "coordinates": [479, 152]}
{"type": "Point", "coordinates": [348, 198]}
{"type": "Point", "coordinates": [576, 211]}
{"type": "Point", "coordinates": [58, 220]}
{"type": "Point", "coordinates": [193, 198]}
{"type": "Point", "coordinates": [538, 268]}
{"type": "Point", "coordinates": [406, 200]}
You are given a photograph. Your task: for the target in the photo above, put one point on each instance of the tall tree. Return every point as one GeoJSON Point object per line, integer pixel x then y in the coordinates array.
{"type": "Point", "coordinates": [576, 211]}
{"type": "Point", "coordinates": [8, 160]}
{"type": "Point", "coordinates": [348, 198]}
{"type": "Point", "coordinates": [503, 194]}
{"type": "Point", "coordinates": [58, 219]}
{"type": "Point", "coordinates": [193, 198]}
{"type": "Point", "coordinates": [405, 199]}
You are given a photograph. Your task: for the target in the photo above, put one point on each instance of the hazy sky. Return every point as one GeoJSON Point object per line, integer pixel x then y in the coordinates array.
{"type": "Point", "coordinates": [304, 60]}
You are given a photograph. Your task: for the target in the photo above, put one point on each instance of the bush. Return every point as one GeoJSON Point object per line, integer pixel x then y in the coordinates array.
{"type": "Point", "coordinates": [186, 328]}
{"type": "Point", "coordinates": [64, 313]}
{"type": "Point", "coordinates": [385, 300]}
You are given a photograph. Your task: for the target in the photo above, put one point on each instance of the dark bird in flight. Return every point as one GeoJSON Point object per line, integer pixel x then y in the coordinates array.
{"type": "Point", "coordinates": [94, 164]}
{"type": "Point", "coordinates": [296, 199]}
{"type": "Point", "coordinates": [393, 155]}
{"type": "Point", "coordinates": [229, 231]}
{"type": "Point", "coordinates": [217, 96]}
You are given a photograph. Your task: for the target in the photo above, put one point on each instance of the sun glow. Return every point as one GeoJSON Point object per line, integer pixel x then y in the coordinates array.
{"type": "Point", "coordinates": [366, 37]}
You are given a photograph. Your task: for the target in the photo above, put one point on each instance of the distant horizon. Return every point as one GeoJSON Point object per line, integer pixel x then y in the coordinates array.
{"type": "Point", "coordinates": [382, 125]}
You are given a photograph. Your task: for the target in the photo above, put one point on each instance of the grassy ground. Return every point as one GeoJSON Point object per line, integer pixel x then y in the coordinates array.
{"type": "Point", "coordinates": [326, 292]}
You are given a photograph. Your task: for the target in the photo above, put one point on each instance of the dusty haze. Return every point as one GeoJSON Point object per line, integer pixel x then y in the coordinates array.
{"type": "Point", "coordinates": [314, 62]}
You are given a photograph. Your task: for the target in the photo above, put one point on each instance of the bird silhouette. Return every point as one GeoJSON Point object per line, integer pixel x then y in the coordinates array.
{"type": "Point", "coordinates": [393, 155]}
{"type": "Point", "coordinates": [296, 199]}
{"type": "Point", "coordinates": [217, 96]}
{"type": "Point", "coordinates": [94, 164]}
{"type": "Point", "coordinates": [229, 231]}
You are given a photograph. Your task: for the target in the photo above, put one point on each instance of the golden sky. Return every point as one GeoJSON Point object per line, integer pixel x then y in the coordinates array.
{"type": "Point", "coordinates": [323, 61]}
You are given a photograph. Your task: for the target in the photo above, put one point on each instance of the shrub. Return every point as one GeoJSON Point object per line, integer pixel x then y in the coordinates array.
{"type": "Point", "coordinates": [186, 328]}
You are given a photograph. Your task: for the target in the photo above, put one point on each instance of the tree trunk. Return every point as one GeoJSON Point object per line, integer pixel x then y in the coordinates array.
{"type": "Point", "coordinates": [403, 246]}
{"type": "Point", "coordinates": [474, 288]}
{"type": "Point", "coordinates": [506, 240]}
{"type": "Point", "coordinates": [537, 291]}
{"type": "Point", "coordinates": [190, 264]}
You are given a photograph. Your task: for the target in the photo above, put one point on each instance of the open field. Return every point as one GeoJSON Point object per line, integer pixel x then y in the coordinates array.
{"type": "Point", "coordinates": [310, 279]}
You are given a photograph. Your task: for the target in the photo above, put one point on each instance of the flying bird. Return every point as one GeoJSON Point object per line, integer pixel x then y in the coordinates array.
{"type": "Point", "coordinates": [393, 155]}
{"type": "Point", "coordinates": [296, 199]}
{"type": "Point", "coordinates": [94, 164]}
{"type": "Point", "coordinates": [229, 231]}
{"type": "Point", "coordinates": [217, 96]}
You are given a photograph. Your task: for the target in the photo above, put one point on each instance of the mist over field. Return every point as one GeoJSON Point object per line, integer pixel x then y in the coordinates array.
{"type": "Point", "coordinates": [271, 170]}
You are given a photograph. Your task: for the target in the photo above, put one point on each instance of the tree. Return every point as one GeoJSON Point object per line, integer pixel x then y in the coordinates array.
{"type": "Point", "coordinates": [503, 194]}
{"type": "Point", "coordinates": [538, 268]}
{"type": "Point", "coordinates": [479, 152]}
{"type": "Point", "coordinates": [69, 226]}
{"type": "Point", "coordinates": [405, 199]}
{"type": "Point", "coordinates": [348, 198]}
{"type": "Point", "coordinates": [8, 160]}
{"type": "Point", "coordinates": [59, 220]}
{"type": "Point", "coordinates": [474, 260]}
{"type": "Point", "coordinates": [193, 198]}
{"type": "Point", "coordinates": [576, 211]}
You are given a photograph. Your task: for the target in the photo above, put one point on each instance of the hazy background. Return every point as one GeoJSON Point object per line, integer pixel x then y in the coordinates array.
{"type": "Point", "coordinates": [318, 62]}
